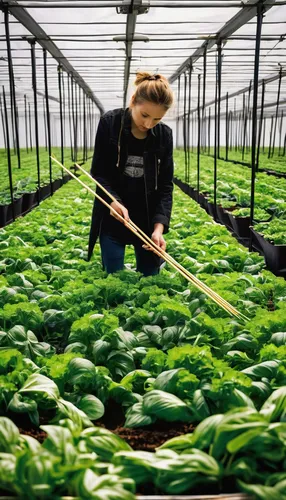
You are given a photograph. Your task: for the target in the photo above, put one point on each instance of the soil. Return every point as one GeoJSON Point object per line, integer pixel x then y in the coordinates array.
{"type": "Point", "coordinates": [148, 439]}
{"type": "Point", "coordinates": [144, 439]}
{"type": "Point", "coordinates": [141, 438]}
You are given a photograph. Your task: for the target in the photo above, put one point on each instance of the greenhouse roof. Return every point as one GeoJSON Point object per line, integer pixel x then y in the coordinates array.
{"type": "Point", "coordinates": [104, 43]}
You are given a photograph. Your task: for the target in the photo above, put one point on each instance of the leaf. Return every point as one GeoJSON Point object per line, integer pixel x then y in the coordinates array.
{"type": "Point", "coordinates": [154, 334]}
{"type": "Point", "coordinates": [82, 372]}
{"type": "Point", "coordinates": [232, 425]}
{"type": "Point", "coordinates": [135, 464]}
{"type": "Point", "coordinates": [60, 443]}
{"type": "Point", "coordinates": [90, 485]}
{"type": "Point", "coordinates": [8, 471]}
{"type": "Point", "coordinates": [104, 442]}
{"type": "Point", "coordinates": [260, 491]}
{"type": "Point", "coordinates": [180, 444]}
{"type": "Point", "coordinates": [243, 440]}
{"type": "Point", "coordinates": [91, 406]}
{"type": "Point", "coordinates": [275, 406]}
{"type": "Point", "coordinates": [267, 369]}
{"type": "Point", "coordinates": [21, 404]}
{"type": "Point", "coordinates": [69, 410]}
{"type": "Point", "coordinates": [135, 380]}
{"type": "Point", "coordinates": [76, 347]}
{"type": "Point", "coordinates": [100, 350]}
{"type": "Point", "coordinates": [166, 406]}
{"type": "Point", "coordinates": [135, 417]}
{"type": "Point", "coordinates": [178, 475]}
{"type": "Point", "coordinates": [124, 339]}
{"type": "Point", "coordinates": [200, 405]}
{"type": "Point", "coordinates": [203, 434]}
{"type": "Point", "coordinates": [9, 435]}
{"type": "Point", "coordinates": [40, 386]}
{"type": "Point", "coordinates": [278, 338]}
{"type": "Point", "coordinates": [120, 363]}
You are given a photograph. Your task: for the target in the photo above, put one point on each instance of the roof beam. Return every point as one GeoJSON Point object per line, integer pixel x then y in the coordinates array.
{"type": "Point", "coordinates": [242, 17]}
{"type": "Point", "coordinates": [133, 9]}
{"type": "Point", "coordinates": [45, 41]}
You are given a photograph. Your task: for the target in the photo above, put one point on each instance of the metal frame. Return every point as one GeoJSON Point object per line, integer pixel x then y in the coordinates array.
{"type": "Point", "coordinates": [21, 14]}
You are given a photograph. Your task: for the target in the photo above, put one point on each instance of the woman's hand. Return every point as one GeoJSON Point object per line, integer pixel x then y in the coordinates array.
{"type": "Point", "coordinates": [120, 209]}
{"type": "Point", "coordinates": [157, 237]}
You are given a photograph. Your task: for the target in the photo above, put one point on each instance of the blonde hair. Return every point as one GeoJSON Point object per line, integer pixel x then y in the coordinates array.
{"type": "Point", "coordinates": [153, 88]}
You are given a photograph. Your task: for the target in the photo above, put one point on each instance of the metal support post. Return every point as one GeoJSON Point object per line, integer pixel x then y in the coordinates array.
{"type": "Point", "coordinates": [277, 110]}
{"type": "Point", "coordinates": [30, 127]}
{"type": "Point", "coordinates": [70, 116]}
{"type": "Point", "coordinates": [61, 114]}
{"type": "Point", "coordinates": [271, 135]}
{"type": "Point", "coordinates": [185, 124]}
{"type": "Point", "coordinates": [280, 132]}
{"type": "Point", "coordinates": [260, 125]}
{"type": "Point", "coordinates": [178, 112]}
{"type": "Point", "coordinates": [12, 86]}
{"type": "Point", "coordinates": [3, 123]}
{"type": "Point", "coordinates": [254, 108]}
{"type": "Point", "coordinates": [199, 135]}
{"type": "Point", "coordinates": [204, 100]}
{"type": "Point", "coordinates": [209, 132]}
{"type": "Point", "coordinates": [48, 118]}
{"type": "Point", "coordinates": [45, 124]}
{"type": "Point", "coordinates": [219, 73]}
{"type": "Point", "coordinates": [34, 85]}
{"type": "Point", "coordinates": [226, 129]}
{"type": "Point", "coordinates": [8, 151]}
{"type": "Point", "coordinates": [189, 122]}
{"type": "Point", "coordinates": [26, 123]}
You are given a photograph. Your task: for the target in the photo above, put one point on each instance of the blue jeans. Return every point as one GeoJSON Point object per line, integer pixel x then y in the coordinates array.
{"type": "Point", "coordinates": [112, 254]}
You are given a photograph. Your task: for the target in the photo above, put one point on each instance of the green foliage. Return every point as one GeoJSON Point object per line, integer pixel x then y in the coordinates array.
{"type": "Point", "coordinates": [91, 327]}
{"type": "Point", "coordinates": [197, 360]}
{"type": "Point", "coordinates": [154, 361]}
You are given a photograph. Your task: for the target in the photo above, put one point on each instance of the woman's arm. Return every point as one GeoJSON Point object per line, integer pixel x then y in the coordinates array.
{"type": "Point", "coordinates": [100, 169]}
{"type": "Point", "coordinates": [163, 208]}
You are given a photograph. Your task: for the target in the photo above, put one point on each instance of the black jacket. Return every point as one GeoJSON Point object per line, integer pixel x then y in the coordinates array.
{"type": "Point", "coordinates": [109, 161]}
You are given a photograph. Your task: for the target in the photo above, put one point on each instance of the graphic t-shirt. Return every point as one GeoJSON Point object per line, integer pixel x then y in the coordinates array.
{"type": "Point", "coordinates": [132, 192]}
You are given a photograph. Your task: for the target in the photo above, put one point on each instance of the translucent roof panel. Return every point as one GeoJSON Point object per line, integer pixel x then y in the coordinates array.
{"type": "Point", "coordinates": [86, 32]}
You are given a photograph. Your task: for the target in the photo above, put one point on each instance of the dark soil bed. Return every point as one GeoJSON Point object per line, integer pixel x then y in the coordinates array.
{"type": "Point", "coordinates": [143, 438]}
{"type": "Point", "coordinates": [146, 439]}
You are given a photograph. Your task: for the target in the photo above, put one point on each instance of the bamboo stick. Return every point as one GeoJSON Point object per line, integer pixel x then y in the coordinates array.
{"type": "Point", "coordinates": [155, 248]}
{"type": "Point", "coordinates": [166, 255]}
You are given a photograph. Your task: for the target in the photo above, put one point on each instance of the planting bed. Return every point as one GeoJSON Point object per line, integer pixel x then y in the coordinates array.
{"type": "Point", "coordinates": [141, 385]}
{"type": "Point", "coordinates": [25, 181]}
{"type": "Point", "coordinates": [233, 205]}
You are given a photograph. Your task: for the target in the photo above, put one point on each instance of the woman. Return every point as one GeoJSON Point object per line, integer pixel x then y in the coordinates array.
{"type": "Point", "coordinates": [133, 160]}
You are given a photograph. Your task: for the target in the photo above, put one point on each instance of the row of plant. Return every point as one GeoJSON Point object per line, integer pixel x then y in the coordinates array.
{"type": "Point", "coordinates": [25, 179]}
{"type": "Point", "coordinates": [153, 349]}
{"type": "Point", "coordinates": [92, 462]}
{"type": "Point", "coordinates": [234, 193]}
{"type": "Point", "coordinates": [275, 164]}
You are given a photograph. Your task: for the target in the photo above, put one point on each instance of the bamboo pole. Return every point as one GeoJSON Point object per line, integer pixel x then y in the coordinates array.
{"type": "Point", "coordinates": [154, 247]}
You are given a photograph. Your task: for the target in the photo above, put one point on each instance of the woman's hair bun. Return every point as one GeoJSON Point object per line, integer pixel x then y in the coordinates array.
{"type": "Point", "coordinates": [144, 75]}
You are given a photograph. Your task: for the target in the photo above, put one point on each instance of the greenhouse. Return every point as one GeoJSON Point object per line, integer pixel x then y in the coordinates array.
{"type": "Point", "coordinates": [143, 249]}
